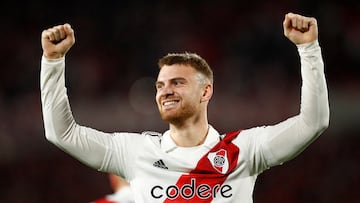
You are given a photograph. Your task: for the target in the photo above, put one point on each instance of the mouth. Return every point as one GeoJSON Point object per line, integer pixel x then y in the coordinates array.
{"type": "Point", "coordinates": [168, 104]}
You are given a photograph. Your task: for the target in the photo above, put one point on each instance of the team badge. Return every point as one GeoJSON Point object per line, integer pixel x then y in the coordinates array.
{"type": "Point", "coordinates": [219, 161]}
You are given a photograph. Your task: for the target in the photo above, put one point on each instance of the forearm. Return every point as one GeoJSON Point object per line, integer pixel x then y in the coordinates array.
{"type": "Point", "coordinates": [314, 109]}
{"type": "Point", "coordinates": [60, 126]}
{"type": "Point", "coordinates": [289, 138]}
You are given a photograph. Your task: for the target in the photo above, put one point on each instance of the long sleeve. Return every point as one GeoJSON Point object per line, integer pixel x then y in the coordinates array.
{"type": "Point", "coordinates": [287, 139]}
{"type": "Point", "coordinates": [86, 144]}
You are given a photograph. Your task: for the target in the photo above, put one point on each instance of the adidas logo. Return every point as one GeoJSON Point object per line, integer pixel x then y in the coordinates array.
{"type": "Point", "coordinates": [160, 163]}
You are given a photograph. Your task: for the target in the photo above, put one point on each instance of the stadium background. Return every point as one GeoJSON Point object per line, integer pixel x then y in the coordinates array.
{"type": "Point", "coordinates": [110, 74]}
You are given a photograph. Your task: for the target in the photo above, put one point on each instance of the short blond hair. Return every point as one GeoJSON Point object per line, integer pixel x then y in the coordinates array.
{"type": "Point", "coordinates": [186, 58]}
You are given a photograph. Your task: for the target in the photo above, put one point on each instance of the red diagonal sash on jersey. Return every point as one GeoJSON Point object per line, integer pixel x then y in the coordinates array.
{"type": "Point", "coordinates": [209, 175]}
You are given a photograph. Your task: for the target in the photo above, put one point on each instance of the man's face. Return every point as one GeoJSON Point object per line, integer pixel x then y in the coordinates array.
{"type": "Point", "coordinates": [179, 92]}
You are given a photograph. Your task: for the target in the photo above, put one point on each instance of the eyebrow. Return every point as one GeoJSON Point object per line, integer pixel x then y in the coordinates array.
{"type": "Point", "coordinates": [171, 80]}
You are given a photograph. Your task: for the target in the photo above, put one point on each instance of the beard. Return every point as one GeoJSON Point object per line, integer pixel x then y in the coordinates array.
{"type": "Point", "coordinates": [178, 115]}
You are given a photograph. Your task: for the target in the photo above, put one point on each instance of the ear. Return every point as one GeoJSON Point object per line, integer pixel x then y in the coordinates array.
{"type": "Point", "coordinates": [207, 92]}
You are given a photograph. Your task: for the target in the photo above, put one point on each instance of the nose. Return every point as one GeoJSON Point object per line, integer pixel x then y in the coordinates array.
{"type": "Point", "coordinates": [166, 91]}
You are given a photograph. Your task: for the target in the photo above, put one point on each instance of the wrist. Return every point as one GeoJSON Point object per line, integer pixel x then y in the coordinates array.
{"type": "Point", "coordinates": [308, 46]}
{"type": "Point", "coordinates": [52, 56]}
{"type": "Point", "coordinates": [51, 60]}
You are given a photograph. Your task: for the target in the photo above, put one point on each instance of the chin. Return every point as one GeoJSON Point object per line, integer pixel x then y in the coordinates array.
{"type": "Point", "coordinates": [170, 117]}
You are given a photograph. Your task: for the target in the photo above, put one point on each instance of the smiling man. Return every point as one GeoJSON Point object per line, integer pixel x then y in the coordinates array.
{"type": "Point", "coordinates": [184, 88]}
{"type": "Point", "coordinates": [191, 161]}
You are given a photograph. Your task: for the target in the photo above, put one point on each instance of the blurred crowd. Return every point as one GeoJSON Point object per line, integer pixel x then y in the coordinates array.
{"type": "Point", "coordinates": [110, 78]}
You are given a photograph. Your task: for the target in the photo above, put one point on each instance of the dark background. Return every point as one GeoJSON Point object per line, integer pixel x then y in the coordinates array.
{"type": "Point", "coordinates": [112, 67]}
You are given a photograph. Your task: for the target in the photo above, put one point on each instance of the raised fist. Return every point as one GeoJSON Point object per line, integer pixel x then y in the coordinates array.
{"type": "Point", "coordinates": [300, 29]}
{"type": "Point", "coordinates": [57, 41]}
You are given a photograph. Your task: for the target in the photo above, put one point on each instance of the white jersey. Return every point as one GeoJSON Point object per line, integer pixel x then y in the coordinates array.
{"type": "Point", "coordinates": [223, 169]}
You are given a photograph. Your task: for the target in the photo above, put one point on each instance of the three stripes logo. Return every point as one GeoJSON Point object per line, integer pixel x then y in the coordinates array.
{"type": "Point", "coordinates": [160, 164]}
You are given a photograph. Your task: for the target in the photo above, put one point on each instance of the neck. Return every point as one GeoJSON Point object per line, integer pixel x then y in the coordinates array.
{"type": "Point", "coordinates": [190, 133]}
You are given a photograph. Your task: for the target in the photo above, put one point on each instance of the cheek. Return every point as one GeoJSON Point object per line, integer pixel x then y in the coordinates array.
{"type": "Point", "coordinates": [196, 96]}
{"type": "Point", "coordinates": [157, 97]}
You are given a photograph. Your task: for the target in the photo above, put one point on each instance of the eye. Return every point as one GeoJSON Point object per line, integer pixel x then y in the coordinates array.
{"type": "Point", "coordinates": [158, 86]}
{"type": "Point", "coordinates": [179, 82]}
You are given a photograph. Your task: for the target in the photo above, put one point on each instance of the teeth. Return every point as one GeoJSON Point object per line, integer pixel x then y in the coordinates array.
{"type": "Point", "coordinates": [169, 103]}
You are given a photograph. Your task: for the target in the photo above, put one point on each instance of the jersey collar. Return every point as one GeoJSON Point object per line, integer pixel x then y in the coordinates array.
{"type": "Point", "coordinates": [167, 144]}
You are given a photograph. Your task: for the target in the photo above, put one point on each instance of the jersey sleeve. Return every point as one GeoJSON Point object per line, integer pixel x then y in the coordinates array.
{"type": "Point", "coordinates": [273, 145]}
{"type": "Point", "coordinates": [90, 146]}
{"type": "Point", "coordinates": [287, 139]}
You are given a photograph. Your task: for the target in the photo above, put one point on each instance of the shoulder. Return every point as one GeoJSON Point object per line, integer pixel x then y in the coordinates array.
{"type": "Point", "coordinates": [154, 137]}
{"type": "Point", "coordinates": [136, 140]}
{"type": "Point", "coordinates": [138, 135]}
{"type": "Point", "coordinates": [152, 133]}
{"type": "Point", "coordinates": [253, 130]}
{"type": "Point", "coordinates": [250, 134]}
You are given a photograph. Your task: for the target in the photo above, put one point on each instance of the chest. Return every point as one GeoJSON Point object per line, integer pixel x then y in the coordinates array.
{"type": "Point", "coordinates": [186, 173]}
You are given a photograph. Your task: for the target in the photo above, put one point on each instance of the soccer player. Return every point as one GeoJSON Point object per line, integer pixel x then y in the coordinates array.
{"type": "Point", "coordinates": [191, 161]}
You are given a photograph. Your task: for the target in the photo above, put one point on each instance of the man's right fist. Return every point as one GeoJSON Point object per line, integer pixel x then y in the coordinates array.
{"type": "Point", "coordinates": [57, 41]}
